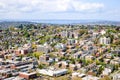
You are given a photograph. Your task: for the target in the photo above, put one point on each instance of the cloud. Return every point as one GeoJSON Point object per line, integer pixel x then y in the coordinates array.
{"type": "Point", "coordinates": [80, 6]}
{"type": "Point", "coordinates": [2, 7]}
{"type": "Point", "coordinates": [48, 5]}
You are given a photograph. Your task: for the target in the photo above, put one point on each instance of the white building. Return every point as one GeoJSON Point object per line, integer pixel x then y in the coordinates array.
{"type": "Point", "coordinates": [51, 72]}
{"type": "Point", "coordinates": [89, 77]}
{"type": "Point", "coordinates": [72, 41]}
{"type": "Point", "coordinates": [95, 34]}
{"type": "Point", "coordinates": [116, 77]}
{"type": "Point", "coordinates": [106, 71]}
{"type": "Point", "coordinates": [103, 32]}
{"type": "Point", "coordinates": [76, 74]}
{"type": "Point", "coordinates": [60, 46]}
{"type": "Point", "coordinates": [105, 40]}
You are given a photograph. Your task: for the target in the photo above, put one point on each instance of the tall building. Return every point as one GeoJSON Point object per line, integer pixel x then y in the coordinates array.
{"type": "Point", "coordinates": [69, 34]}
{"type": "Point", "coordinates": [105, 40]}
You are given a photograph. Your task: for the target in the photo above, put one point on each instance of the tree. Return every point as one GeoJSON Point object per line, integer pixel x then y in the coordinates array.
{"type": "Point", "coordinates": [85, 62]}
{"type": "Point", "coordinates": [72, 61]}
{"type": "Point", "coordinates": [97, 62]}
{"type": "Point", "coordinates": [37, 54]}
{"type": "Point", "coordinates": [116, 67]}
{"type": "Point", "coordinates": [21, 56]}
{"type": "Point", "coordinates": [21, 26]}
{"type": "Point", "coordinates": [11, 28]}
{"type": "Point", "coordinates": [83, 31]}
{"type": "Point", "coordinates": [40, 66]}
{"type": "Point", "coordinates": [101, 68]}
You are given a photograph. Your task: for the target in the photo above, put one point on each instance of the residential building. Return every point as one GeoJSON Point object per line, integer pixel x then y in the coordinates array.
{"type": "Point", "coordinates": [43, 48]}
{"type": "Point", "coordinates": [105, 40]}
{"type": "Point", "coordinates": [116, 76]}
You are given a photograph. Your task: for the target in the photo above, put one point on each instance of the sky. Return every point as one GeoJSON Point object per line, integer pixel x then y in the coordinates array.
{"type": "Point", "coordinates": [60, 9]}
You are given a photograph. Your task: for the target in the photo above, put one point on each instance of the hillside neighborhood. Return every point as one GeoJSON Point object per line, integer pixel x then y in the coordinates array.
{"type": "Point", "coordinates": [60, 52]}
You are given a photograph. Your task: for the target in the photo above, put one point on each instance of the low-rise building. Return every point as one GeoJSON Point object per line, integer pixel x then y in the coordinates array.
{"type": "Point", "coordinates": [43, 48]}
{"type": "Point", "coordinates": [60, 46]}
{"type": "Point", "coordinates": [72, 67]}
{"type": "Point", "coordinates": [76, 55]}
{"type": "Point", "coordinates": [90, 77]}
{"type": "Point", "coordinates": [28, 75]}
{"type": "Point", "coordinates": [23, 51]}
{"type": "Point", "coordinates": [116, 76]}
{"type": "Point", "coordinates": [115, 62]}
{"type": "Point", "coordinates": [50, 72]}
{"type": "Point", "coordinates": [106, 71]}
{"type": "Point", "coordinates": [62, 64]}
{"type": "Point", "coordinates": [45, 59]}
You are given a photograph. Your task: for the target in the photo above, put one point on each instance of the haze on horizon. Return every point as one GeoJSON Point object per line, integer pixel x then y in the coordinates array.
{"type": "Point", "coordinates": [60, 9]}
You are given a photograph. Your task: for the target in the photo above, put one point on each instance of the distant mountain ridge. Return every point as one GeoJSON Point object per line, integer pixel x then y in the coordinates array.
{"type": "Point", "coordinates": [83, 22]}
{"type": "Point", "coordinates": [5, 24]}
{"type": "Point", "coordinates": [93, 22]}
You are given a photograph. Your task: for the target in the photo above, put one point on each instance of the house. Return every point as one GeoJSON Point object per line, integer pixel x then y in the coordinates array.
{"type": "Point", "coordinates": [72, 67]}
{"type": "Point", "coordinates": [70, 34]}
{"type": "Point", "coordinates": [116, 76]}
{"type": "Point", "coordinates": [70, 46]}
{"type": "Point", "coordinates": [116, 51]}
{"type": "Point", "coordinates": [90, 77]}
{"type": "Point", "coordinates": [60, 46]}
{"type": "Point", "coordinates": [45, 59]}
{"type": "Point", "coordinates": [64, 34]}
{"type": "Point", "coordinates": [108, 56]}
{"type": "Point", "coordinates": [81, 75]}
{"type": "Point", "coordinates": [23, 50]}
{"type": "Point", "coordinates": [115, 62]}
{"type": "Point", "coordinates": [78, 65]}
{"type": "Point", "coordinates": [75, 74]}
{"type": "Point", "coordinates": [95, 34]}
{"type": "Point", "coordinates": [58, 65]}
{"type": "Point", "coordinates": [106, 71]}
{"type": "Point", "coordinates": [71, 41]}
{"type": "Point", "coordinates": [76, 55]}
{"type": "Point", "coordinates": [65, 64]}
{"type": "Point", "coordinates": [62, 54]}
{"type": "Point", "coordinates": [62, 64]}
{"type": "Point", "coordinates": [89, 57]}
{"type": "Point", "coordinates": [106, 60]}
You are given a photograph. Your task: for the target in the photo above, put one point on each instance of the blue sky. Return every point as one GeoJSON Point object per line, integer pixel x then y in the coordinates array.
{"type": "Point", "coordinates": [60, 9]}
